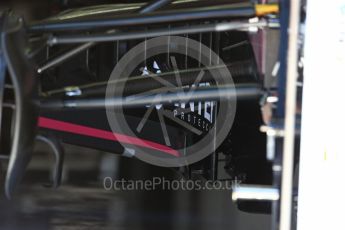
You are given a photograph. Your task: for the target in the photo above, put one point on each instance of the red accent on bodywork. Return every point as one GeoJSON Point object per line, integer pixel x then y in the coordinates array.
{"type": "Point", "coordinates": [63, 126]}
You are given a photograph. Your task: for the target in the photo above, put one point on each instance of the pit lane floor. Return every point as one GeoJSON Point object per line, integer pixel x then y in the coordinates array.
{"type": "Point", "coordinates": [82, 202]}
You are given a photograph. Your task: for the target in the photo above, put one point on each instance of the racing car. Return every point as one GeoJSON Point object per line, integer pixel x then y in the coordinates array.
{"type": "Point", "coordinates": [174, 83]}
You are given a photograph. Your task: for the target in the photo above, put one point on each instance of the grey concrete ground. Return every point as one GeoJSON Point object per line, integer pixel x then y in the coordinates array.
{"type": "Point", "coordinates": [83, 203]}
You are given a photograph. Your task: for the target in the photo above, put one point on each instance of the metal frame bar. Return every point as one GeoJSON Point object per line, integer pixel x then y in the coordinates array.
{"type": "Point", "coordinates": [215, 27]}
{"type": "Point", "coordinates": [64, 57]}
{"type": "Point", "coordinates": [154, 5]}
{"type": "Point", "coordinates": [91, 40]}
{"type": "Point", "coordinates": [224, 11]}
{"type": "Point", "coordinates": [59, 153]}
{"type": "Point", "coordinates": [149, 82]}
{"type": "Point", "coordinates": [170, 96]}
{"type": "Point", "coordinates": [58, 60]}
{"type": "Point", "coordinates": [290, 113]}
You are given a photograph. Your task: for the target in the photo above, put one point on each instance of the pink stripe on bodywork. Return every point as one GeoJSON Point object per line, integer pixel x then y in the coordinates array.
{"type": "Point", "coordinates": [63, 126]}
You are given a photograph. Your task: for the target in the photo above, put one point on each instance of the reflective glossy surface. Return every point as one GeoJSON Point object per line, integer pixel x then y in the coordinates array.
{"type": "Point", "coordinates": [83, 203]}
